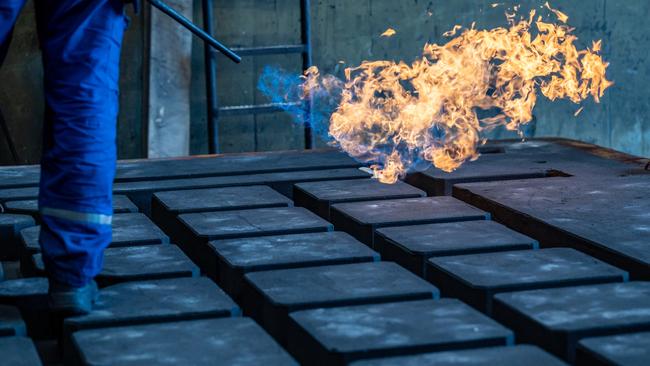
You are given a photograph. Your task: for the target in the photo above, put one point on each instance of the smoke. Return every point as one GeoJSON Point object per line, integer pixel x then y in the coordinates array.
{"type": "Point", "coordinates": [288, 91]}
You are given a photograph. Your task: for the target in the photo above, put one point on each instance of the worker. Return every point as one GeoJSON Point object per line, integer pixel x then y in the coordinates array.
{"type": "Point", "coordinates": [80, 42]}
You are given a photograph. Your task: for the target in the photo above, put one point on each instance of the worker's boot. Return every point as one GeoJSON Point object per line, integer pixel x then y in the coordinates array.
{"type": "Point", "coordinates": [68, 300]}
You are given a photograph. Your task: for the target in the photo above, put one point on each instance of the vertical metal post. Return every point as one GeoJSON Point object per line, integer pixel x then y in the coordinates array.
{"type": "Point", "coordinates": [305, 35]}
{"type": "Point", "coordinates": [210, 81]}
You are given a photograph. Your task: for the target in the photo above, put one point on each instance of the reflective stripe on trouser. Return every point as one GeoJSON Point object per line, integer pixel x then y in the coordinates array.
{"type": "Point", "coordinates": [80, 42]}
{"type": "Point", "coordinates": [82, 217]}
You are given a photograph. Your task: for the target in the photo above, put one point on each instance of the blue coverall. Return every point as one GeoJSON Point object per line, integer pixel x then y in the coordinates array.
{"type": "Point", "coordinates": [80, 42]}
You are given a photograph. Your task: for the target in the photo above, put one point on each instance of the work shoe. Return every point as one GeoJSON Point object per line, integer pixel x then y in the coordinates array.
{"type": "Point", "coordinates": [68, 300]}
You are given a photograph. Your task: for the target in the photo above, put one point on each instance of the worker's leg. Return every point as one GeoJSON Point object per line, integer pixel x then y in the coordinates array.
{"type": "Point", "coordinates": [9, 10]}
{"type": "Point", "coordinates": [81, 41]}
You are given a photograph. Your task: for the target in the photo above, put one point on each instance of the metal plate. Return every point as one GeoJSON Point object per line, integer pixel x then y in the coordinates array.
{"type": "Point", "coordinates": [337, 336]}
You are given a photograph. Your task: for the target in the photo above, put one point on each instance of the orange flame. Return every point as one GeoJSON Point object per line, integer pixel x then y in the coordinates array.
{"type": "Point", "coordinates": [399, 114]}
{"type": "Point", "coordinates": [388, 33]}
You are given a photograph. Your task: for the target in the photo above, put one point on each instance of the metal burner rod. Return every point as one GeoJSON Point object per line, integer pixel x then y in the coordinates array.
{"type": "Point", "coordinates": [196, 30]}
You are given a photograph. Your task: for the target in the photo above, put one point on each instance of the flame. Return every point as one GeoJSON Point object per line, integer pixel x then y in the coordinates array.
{"type": "Point", "coordinates": [453, 31]}
{"type": "Point", "coordinates": [388, 33]}
{"type": "Point", "coordinates": [560, 15]}
{"type": "Point", "coordinates": [576, 113]}
{"type": "Point", "coordinates": [399, 116]}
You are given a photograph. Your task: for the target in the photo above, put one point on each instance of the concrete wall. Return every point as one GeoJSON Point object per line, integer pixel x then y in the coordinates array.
{"type": "Point", "coordinates": [347, 30]}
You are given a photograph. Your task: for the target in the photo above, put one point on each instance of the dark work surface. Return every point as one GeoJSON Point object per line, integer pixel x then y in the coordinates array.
{"type": "Point", "coordinates": [148, 262]}
{"type": "Point", "coordinates": [141, 191]}
{"type": "Point", "coordinates": [489, 167]}
{"type": "Point", "coordinates": [557, 319]}
{"type": "Point", "coordinates": [136, 229]}
{"type": "Point", "coordinates": [522, 160]}
{"type": "Point", "coordinates": [30, 295]}
{"type": "Point", "coordinates": [602, 203]}
{"type": "Point", "coordinates": [29, 240]}
{"type": "Point", "coordinates": [166, 206]}
{"type": "Point", "coordinates": [625, 349]}
{"type": "Point", "coordinates": [411, 246]}
{"type": "Point", "coordinates": [154, 302]}
{"type": "Point", "coordinates": [18, 351]}
{"type": "Point", "coordinates": [469, 278]}
{"type": "Point", "coordinates": [233, 164]}
{"type": "Point", "coordinates": [199, 228]}
{"type": "Point", "coordinates": [18, 194]}
{"type": "Point", "coordinates": [235, 257]}
{"type": "Point", "coordinates": [318, 196]}
{"type": "Point", "coordinates": [220, 199]}
{"type": "Point", "coordinates": [270, 295]}
{"type": "Point", "coordinates": [250, 223]}
{"type": "Point", "coordinates": [490, 356]}
{"type": "Point", "coordinates": [235, 180]}
{"type": "Point", "coordinates": [23, 291]}
{"type": "Point", "coordinates": [200, 166]}
{"type": "Point", "coordinates": [360, 219]}
{"type": "Point", "coordinates": [11, 322]}
{"type": "Point", "coordinates": [10, 227]}
{"type": "Point", "coordinates": [227, 341]}
{"type": "Point", "coordinates": [19, 176]}
{"type": "Point", "coordinates": [129, 229]}
{"type": "Point", "coordinates": [339, 335]}
{"type": "Point", "coordinates": [608, 218]}
{"type": "Point", "coordinates": [121, 204]}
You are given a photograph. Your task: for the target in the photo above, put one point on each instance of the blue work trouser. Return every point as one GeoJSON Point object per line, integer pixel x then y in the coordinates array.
{"type": "Point", "coordinates": [80, 41]}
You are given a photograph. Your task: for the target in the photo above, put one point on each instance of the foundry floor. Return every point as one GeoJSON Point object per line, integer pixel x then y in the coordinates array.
{"type": "Point", "coordinates": [536, 253]}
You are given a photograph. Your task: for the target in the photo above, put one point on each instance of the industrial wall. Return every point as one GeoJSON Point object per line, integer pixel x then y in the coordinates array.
{"type": "Point", "coordinates": [345, 33]}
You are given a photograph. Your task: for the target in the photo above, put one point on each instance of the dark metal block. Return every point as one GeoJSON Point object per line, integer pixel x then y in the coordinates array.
{"type": "Point", "coordinates": [166, 206]}
{"type": "Point", "coordinates": [412, 246]}
{"type": "Point", "coordinates": [200, 228]}
{"type": "Point", "coordinates": [18, 194]}
{"type": "Point", "coordinates": [361, 219]}
{"type": "Point", "coordinates": [606, 217]}
{"type": "Point", "coordinates": [150, 302]}
{"type": "Point", "coordinates": [29, 246]}
{"type": "Point", "coordinates": [556, 319]}
{"type": "Point", "coordinates": [23, 207]}
{"type": "Point", "coordinates": [476, 278]}
{"type": "Point", "coordinates": [19, 176]}
{"type": "Point", "coordinates": [626, 349]}
{"type": "Point", "coordinates": [227, 341]}
{"type": "Point", "coordinates": [121, 204]}
{"type": "Point", "coordinates": [141, 192]}
{"type": "Point", "coordinates": [233, 164]}
{"type": "Point", "coordinates": [136, 229]}
{"type": "Point", "coordinates": [19, 351]}
{"type": "Point", "coordinates": [337, 336]}
{"type": "Point", "coordinates": [270, 296]}
{"type": "Point", "coordinates": [129, 229]}
{"type": "Point", "coordinates": [319, 196]}
{"type": "Point", "coordinates": [526, 160]}
{"type": "Point", "coordinates": [235, 257]}
{"type": "Point", "coordinates": [30, 296]}
{"type": "Point", "coordinates": [10, 227]}
{"type": "Point", "coordinates": [141, 263]}
{"type": "Point", "coordinates": [489, 167]}
{"type": "Point", "coordinates": [491, 356]}
{"type": "Point", "coordinates": [11, 322]}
